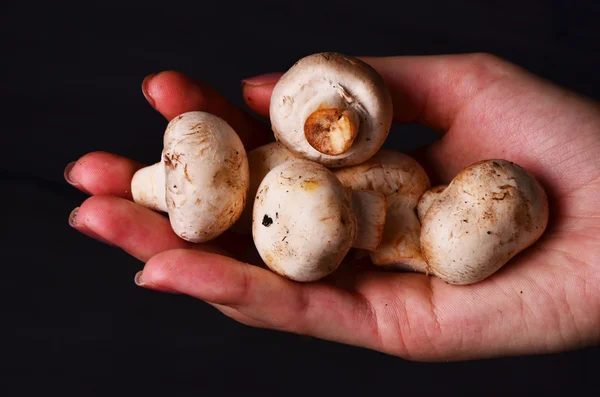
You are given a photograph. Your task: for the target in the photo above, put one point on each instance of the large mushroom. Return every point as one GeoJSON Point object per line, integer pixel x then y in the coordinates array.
{"type": "Point", "coordinates": [332, 109]}
{"type": "Point", "coordinates": [402, 180]}
{"type": "Point", "coordinates": [305, 221]}
{"type": "Point", "coordinates": [491, 211]}
{"type": "Point", "coordinates": [202, 178]}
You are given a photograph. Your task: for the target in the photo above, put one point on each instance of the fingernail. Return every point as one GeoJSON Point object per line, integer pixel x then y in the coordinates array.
{"type": "Point", "coordinates": [147, 95]}
{"type": "Point", "coordinates": [73, 217]}
{"type": "Point", "coordinates": [84, 230]}
{"type": "Point", "coordinates": [67, 174]}
{"type": "Point", "coordinates": [263, 79]}
{"type": "Point", "coordinates": [139, 281]}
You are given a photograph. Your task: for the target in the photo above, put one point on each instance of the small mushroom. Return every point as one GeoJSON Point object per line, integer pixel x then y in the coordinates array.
{"type": "Point", "coordinates": [491, 211]}
{"type": "Point", "coordinates": [305, 221]}
{"type": "Point", "coordinates": [427, 199]}
{"type": "Point", "coordinates": [260, 161]}
{"type": "Point", "coordinates": [332, 109]}
{"type": "Point", "coordinates": [402, 180]}
{"type": "Point", "coordinates": [202, 178]}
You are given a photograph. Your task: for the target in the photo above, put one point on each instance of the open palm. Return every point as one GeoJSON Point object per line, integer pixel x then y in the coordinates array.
{"type": "Point", "coordinates": [546, 299]}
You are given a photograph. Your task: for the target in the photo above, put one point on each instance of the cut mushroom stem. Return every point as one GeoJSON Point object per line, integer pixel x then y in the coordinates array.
{"type": "Point", "coordinates": [400, 246]}
{"type": "Point", "coordinates": [305, 221]}
{"type": "Point", "coordinates": [369, 207]}
{"type": "Point", "coordinates": [331, 131]}
{"type": "Point", "coordinates": [402, 180]}
{"type": "Point", "coordinates": [202, 178]}
{"type": "Point", "coordinates": [427, 199]}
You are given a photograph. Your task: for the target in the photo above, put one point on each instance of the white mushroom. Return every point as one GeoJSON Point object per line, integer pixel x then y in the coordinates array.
{"type": "Point", "coordinates": [332, 109]}
{"type": "Point", "coordinates": [202, 178]}
{"type": "Point", "coordinates": [260, 161]}
{"type": "Point", "coordinates": [403, 181]}
{"type": "Point", "coordinates": [491, 211]}
{"type": "Point", "coordinates": [427, 199]}
{"type": "Point", "coordinates": [305, 221]}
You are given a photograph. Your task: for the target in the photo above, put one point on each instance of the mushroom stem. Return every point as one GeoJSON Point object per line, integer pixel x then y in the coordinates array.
{"type": "Point", "coordinates": [400, 245]}
{"type": "Point", "coordinates": [148, 187]}
{"type": "Point", "coordinates": [402, 180]}
{"type": "Point", "coordinates": [369, 207]}
{"type": "Point", "coordinates": [331, 130]}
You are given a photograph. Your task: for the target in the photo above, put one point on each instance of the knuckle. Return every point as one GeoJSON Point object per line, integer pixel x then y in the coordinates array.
{"type": "Point", "coordinates": [485, 64]}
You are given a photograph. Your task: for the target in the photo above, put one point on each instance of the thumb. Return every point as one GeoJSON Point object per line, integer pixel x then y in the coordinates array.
{"type": "Point", "coordinates": [257, 92]}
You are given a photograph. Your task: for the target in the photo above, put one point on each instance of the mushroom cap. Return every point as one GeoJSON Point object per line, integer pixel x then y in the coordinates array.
{"type": "Point", "coordinates": [402, 179]}
{"type": "Point", "coordinates": [206, 173]}
{"type": "Point", "coordinates": [260, 161]}
{"type": "Point", "coordinates": [427, 199]}
{"type": "Point", "coordinates": [303, 224]}
{"type": "Point", "coordinates": [388, 172]}
{"type": "Point", "coordinates": [492, 210]}
{"type": "Point", "coordinates": [331, 79]}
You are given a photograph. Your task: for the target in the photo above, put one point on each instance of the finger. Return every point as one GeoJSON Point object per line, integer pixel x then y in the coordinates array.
{"type": "Point", "coordinates": [101, 173]}
{"type": "Point", "coordinates": [139, 231]}
{"type": "Point", "coordinates": [432, 90]}
{"type": "Point", "coordinates": [257, 92]}
{"type": "Point", "coordinates": [315, 309]}
{"type": "Point", "coordinates": [172, 93]}
{"type": "Point", "coordinates": [237, 316]}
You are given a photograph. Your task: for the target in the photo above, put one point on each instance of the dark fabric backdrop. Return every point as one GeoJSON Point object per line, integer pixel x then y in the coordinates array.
{"type": "Point", "coordinates": [74, 320]}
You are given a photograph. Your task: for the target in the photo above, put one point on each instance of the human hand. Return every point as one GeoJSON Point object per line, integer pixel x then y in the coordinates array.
{"type": "Point", "coordinates": [546, 299]}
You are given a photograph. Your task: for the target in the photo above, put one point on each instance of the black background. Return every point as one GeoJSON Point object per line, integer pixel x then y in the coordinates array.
{"type": "Point", "coordinates": [71, 84]}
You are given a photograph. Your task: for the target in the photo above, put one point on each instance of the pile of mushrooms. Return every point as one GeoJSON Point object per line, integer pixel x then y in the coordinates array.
{"type": "Point", "coordinates": [326, 186]}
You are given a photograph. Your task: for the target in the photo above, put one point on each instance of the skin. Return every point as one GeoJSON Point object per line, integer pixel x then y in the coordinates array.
{"type": "Point", "coordinates": [546, 300]}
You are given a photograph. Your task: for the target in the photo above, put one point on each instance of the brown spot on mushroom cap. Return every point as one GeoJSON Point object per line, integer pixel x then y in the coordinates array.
{"type": "Point", "coordinates": [310, 184]}
{"type": "Point", "coordinates": [185, 173]}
